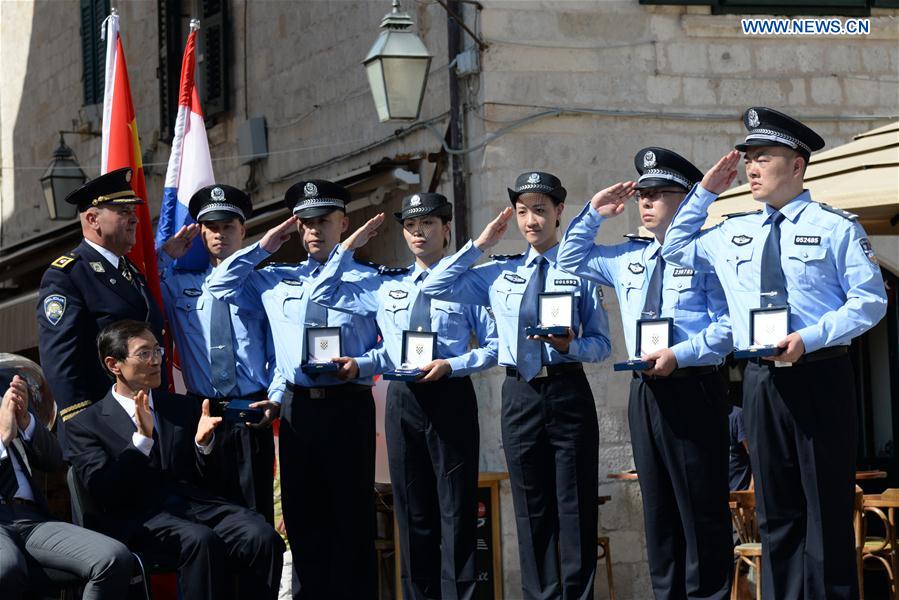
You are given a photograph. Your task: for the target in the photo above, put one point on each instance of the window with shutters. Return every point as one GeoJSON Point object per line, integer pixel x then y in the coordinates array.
{"type": "Point", "coordinates": [93, 50]}
{"type": "Point", "coordinates": [786, 7]}
{"type": "Point", "coordinates": [213, 82]}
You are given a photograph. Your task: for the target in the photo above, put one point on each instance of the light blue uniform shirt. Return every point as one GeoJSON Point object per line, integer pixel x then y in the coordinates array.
{"type": "Point", "coordinates": [188, 307]}
{"type": "Point", "coordinates": [834, 286]}
{"type": "Point", "coordinates": [695, 301]}
{"type": "Point", "coordinates": [500, 284]}
{"type": "Point", "coordinates": [283, 292]}
{"type": "Point", "coordinates": [389, 295]}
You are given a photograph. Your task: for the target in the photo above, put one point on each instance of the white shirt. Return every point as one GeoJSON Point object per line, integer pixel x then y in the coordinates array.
{"type": "Point", "coordinates": [140, 441]}
{"type": "Point", "coordinates": [112, 258]}
{"type": "Point", "coordinates": [24, 492]}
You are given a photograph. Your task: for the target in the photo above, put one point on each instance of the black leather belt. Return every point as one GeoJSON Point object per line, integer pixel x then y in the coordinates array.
{"type": "Point", "coordinates": [822, 354]}
{"type": "Point", "coordinates": [331, 391]}
{"type": "Point", "coordinates": [19, 502]}
{"type": "Point", "coordinates": [682, 372]}
{"type": "Point", "coordinates": [549, 370]}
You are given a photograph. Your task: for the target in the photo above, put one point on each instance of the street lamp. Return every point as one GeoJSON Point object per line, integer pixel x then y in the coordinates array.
{"type": "Point", "coordinates": [63, 176]}
{"type": "Point", "coordinates": [397, 67]}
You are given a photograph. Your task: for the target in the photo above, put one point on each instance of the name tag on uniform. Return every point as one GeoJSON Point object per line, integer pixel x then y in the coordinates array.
{"type": "Point", "coordinates": [555, 311]}
{"type": "Point", "coordinates": [807, 240]}
{"type": "Point", "coordinates": [419, 348]}
{"type": "Point", "coordinates": [767, 326]}
{"type": "Point", "coordinates": [652, 335]}
{"type": "Point", "coordinates": [322, 344]}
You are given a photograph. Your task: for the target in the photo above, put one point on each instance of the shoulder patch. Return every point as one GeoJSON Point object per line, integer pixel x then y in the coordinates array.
{"type": "Point", "coordinates": [506, 256]}
{"type": "Point", "coordinates": [839, 211]}
{"type": "Point", "coordinates": [392, 270]}
{"type": "Point", "coordinates": [54, 308]}
{"type": "Point", "coordinates": [742, 214]}
{"type": "Point", "coordinates": [868, 250]}
{"type": "Point", "coordinates": [64, 262]}
{"type": "Point", "coordinates": [638, 238]}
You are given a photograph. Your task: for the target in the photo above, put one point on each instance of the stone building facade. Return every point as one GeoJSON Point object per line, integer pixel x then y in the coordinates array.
{"type": "Point", "coordinates": [571, 87]}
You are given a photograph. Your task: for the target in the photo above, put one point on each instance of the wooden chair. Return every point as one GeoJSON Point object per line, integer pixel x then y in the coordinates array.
{"type": "Point", "coordinates": [879, 550]}
{"type": "Point", "coordinates": [604, 553]}
{"type": "Point", "coordinates": [748, 552]}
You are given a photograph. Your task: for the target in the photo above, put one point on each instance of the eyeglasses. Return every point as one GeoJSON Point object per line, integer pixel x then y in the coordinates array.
{"type": "Point", "coordinates": [653, 195]}
{"type": "Point", "coordinates": [147, 355]}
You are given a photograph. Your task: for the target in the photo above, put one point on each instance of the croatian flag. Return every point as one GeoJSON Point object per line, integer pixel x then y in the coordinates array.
{"type": "Point", "coordinates": [190, 166]}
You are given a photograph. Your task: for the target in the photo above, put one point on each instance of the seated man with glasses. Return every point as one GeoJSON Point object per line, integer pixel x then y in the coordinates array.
{"type": "Point", "coordinates": [142, 454]}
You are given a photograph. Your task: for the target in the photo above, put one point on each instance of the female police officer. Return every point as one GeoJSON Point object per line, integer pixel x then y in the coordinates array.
{"type": "Point", "coordinates": [549, 427]}
{"type": "Point", "coordinates": [431, 424]}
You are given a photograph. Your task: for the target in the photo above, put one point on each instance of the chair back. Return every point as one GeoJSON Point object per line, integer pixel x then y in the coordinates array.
{"type": "Point", "coordinates": [83, 507]}
{"type": "Point", "coordinates": [742, 514]}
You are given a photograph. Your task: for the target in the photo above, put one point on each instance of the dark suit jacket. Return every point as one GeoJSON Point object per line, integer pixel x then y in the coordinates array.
{"type": "Point", "coordinates": [42, 453]}
{"type": "Point", "coordinates": [121, 479]}
{"type": "Point", "coordinates": [92, 294]}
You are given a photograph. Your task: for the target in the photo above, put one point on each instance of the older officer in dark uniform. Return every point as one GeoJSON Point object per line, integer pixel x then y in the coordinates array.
{"type": "Point", "coordinates": [88, 288]}
{"type": "Point", "coordinates": [226, 351]}
{"type": "Point", "coordinates": [800, 406]}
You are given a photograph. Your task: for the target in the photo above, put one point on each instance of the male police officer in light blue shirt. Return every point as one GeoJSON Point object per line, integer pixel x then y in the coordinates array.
{"type": "Point", "coordinates": [678, 407]}
{"type": "Point", "coordinates": [801, 421]}
{"type": "Point", "coordinates": [327, 431]}
{"type": "Point", "coordinates": [549, 428]}
{"type": "Point", "coordinates": [226, 351]}
{"type": "Point", "coordinates": [431, 423]}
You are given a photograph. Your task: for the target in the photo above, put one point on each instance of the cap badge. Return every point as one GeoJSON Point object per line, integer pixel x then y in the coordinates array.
{"type": "Point", "coordinates": [128, 176]}
{"type": "Point", "coordinates": [534, 178]}
{"type": "Point", "coordinates": [415, 200]}
{"type": "Point", "coordinates": [310, 189]}
{"type": "Point", "coordinates": [752, 118]}
{"type": "Point", "coordinates": [218, 194]}
{"type": "Point", "coordinates": [649, 160]}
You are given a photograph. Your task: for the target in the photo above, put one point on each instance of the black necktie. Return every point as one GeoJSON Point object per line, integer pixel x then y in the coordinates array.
{"type": "Point", "coordinates": [652, 304]}
{"type": "Point", "coordinates": [773, 283]}
{"type": "Point", "coordinates": [9, 485]}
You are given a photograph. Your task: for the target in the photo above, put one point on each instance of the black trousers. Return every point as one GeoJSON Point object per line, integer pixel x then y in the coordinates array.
{"type": "Point", "coordinates": [802, 428]}
{"type": "Point", "coordinates": [248, 466]}
{"type": "Point", "coordinates": [551, 441]}
{"type": "Point", "coordinates": [206, 542]}
{"type": "Point", "coordinates": [679, 433]}
{"type": "Point", "coordinates": [432, 447]}
{"type": "Point", "coordinates": [327, 453]}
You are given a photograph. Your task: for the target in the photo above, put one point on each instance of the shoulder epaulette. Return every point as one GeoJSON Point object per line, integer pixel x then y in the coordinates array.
{"type": "Point", "coordinates": [839, 211]}
{"type": "Point", "coordinates": [282, 264]}
{"type": "Point", "coordinates": [506, 256]}
{"type": "Point", "coordinates": [392, 270]}
{"type": "Point", "coordinates": [638, 238]}
{"type": "Point", "coordinates": [367, 263]}
{"type": "Point", "coordinates": [65, 261]}
{"type": "Point", "coordinates": [742, 214]}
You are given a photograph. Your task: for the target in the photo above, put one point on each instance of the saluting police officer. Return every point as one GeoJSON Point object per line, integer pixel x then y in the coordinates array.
{"type": "Point", "coordinates": [431, 424]}
{"type": "Point", "coordinates": [677, 409]}
{"type": "Point", "coordinates": [549, 428]}
{"type": "Point", "coordinates": [801, 419]}
{"type": "Point", "coordinates": [226, 351]}
{"type": "Point", "coordinates": [327, 431]}
{"type": "Point", "coordinates": [87, 289]}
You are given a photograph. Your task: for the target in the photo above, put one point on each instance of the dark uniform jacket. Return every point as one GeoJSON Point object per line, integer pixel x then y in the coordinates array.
{"type": "Point", "coordinates": [128, 486]}
{"type": "Point", "coordinates": [80, 294]}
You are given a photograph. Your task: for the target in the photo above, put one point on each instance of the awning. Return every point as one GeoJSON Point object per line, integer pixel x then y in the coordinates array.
{"type": "Point", "coordinates": [861, 177]}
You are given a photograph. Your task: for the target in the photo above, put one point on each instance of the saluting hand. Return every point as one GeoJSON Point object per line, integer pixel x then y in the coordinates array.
{"type": "Point", "coordinates": [143, 414]}
{"type": "Point", "coordinates": [434, 370]}
{"type": "Point", "coordinates": [361, 236]}
{"type": "Point", "coordinates": [610, 202]}
{"type": "Point", "coordinates": [664, 362]}
{"type": "Point", "coordinates": [206, 426]}
{"type": "Point", "coordinates": [793, 347]}
{"type": "Point", "coordinates": [349, 368]}
{"type": "Point", "coordinates": [275, 237]}
{"type": "Point", "coordinates": [560, 342]}
{"type": "Point", "coordinates": [495, 230]}
{"type": "Point", "coordinates": [271, 411]}
{"type": "Point", "coordinates": [722, 175]}
{"type": "Point", "coordinates": [178, 245]}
